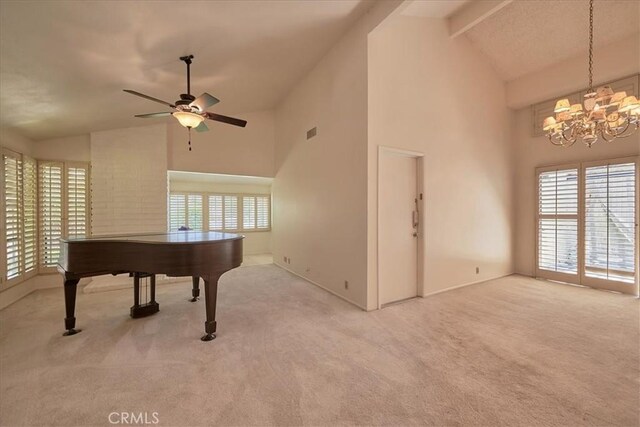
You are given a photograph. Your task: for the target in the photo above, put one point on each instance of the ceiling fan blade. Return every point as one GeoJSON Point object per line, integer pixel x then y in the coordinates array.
{"type": "Point", "coordinates": [150, 98]}
{"type": "Point", "coordinates": [204, 101]}
{"type": "Point", "coordinates": [225, 119]}
{"type": "Point", "coordinates": [202, 127]}
{"type": "Point", "coordinates": [153, 115]}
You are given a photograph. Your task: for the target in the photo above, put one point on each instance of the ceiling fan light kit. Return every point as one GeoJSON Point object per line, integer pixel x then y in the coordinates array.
{"type": "Point", "coordinates": [189, 110]}
{"type": "Point", "coordinates": [187, 119]}
{"type": "Point", "coordinates": [606, 115]}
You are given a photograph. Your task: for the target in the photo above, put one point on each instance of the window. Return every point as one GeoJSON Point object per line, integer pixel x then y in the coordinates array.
{"type": "Point", "coordinates": [19, 216]}
{"type": "Point", "coordinates": [610, 222]}
{"type": "Point", "coordinates": [587, 224]}
{"type": "Point", "coordinates": [255, 213]}
{"type": "Point", "coordinates": [219, 212]}
{"type": "Point", "coordinates": [558, 221]}
{"type": "Point", "coordinates": [63, 194]}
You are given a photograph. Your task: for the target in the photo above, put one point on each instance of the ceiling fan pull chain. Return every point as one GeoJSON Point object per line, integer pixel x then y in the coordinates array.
{"type": "Point", "coordinates": [189, 139]}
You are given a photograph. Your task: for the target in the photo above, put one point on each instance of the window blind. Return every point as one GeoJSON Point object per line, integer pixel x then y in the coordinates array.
{"type": "Point", "coordinates": [194, 209]}
{"type": "Point", "coordinates": [610, 198]}
{"type": "Point", "coordinates": [50, 175]}
{"type": "Point", "coordinates": [230, 212]}
{"type": "Point", "coordinates": [263, 219]}
{"type": "Point", "coordinates": [558, 221]}
{"type": "Point", "coordinates": [77, 202]}
{"type": "Point", "coordinates": [177, 211]}
{"type": "Point", "coordinates": [216, 212]}
{"type": "Point", "coordinates": [13, 226]}
{"type": "Point", "coordinates": [30, 213]}
{"type": "Point", "coordinates": [249, 212]}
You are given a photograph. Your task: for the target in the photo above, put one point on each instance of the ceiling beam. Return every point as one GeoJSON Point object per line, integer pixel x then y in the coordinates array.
{"type": "Point", "coordinates": [472, 14]}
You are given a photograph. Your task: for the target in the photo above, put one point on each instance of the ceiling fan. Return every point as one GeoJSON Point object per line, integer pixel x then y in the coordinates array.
{"type": "Point", "coordinates": [189, 110]}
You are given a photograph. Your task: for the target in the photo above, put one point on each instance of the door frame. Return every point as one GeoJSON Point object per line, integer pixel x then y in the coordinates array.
{"type": "Point", "coordinates": [419, 157]}
{"type": "Point", "coordinates": [608, 284]}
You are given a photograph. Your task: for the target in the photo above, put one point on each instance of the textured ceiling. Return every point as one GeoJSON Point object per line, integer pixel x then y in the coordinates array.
{"type": "Point", "coordinates": [433, 8]}
{"type": "Point", "coordinates": [63, 64]}
{"type": "Point", "coordinates": [526, 36]}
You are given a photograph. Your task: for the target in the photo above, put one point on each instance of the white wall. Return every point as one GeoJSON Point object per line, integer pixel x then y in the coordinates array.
{"type": "Point", "coordinates": [129, 180]}
{"type": "Point", "coordinates": [320, 187]}
{"type": "Point", "coordinates": [612, 62]}
{"type": "Point", "coordinates": [532, 152]}
{"type": "Point", "coordinates": [255, 242]}
{"type": "Point", "coordinates": [15, 142]}
{"type": "Point", "coordinates": [226, 149]}
{"type": "Point", "coordinates": [438, 96]}
{"type": "Point", "coordinates": [73, 148]}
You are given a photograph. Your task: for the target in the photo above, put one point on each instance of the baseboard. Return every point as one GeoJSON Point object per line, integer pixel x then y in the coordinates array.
{"type": "Point", "coordinates": [321, 286]}
{"type": "Point", "coordinates": [451, 288]}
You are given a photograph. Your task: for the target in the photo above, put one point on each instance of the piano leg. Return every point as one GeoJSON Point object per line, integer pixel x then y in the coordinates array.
{"type": "Point", "coordinates": [195, 292]}
{"type": "Point", "coordinates": [70, 288]}
{"type": "Point", "coordinates": [210, 298]}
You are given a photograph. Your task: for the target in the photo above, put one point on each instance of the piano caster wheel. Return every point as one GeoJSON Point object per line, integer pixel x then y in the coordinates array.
{"type": "Point", "coordinates": [71, 332]}
{"type": "Point", "coordinates": [208, 337]}
{"type": "Point", "coordinates": [194, 299]}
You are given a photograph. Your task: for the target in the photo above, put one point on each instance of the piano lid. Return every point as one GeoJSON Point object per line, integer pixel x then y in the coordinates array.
{"type": "Point", "coordinates": [172, 237]}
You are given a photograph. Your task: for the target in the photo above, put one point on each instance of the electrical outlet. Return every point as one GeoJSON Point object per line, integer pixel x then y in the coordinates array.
{"type": "Point", "coordinates": [477, 270]}
{"type": "Point", "coordinates": [346, 284]}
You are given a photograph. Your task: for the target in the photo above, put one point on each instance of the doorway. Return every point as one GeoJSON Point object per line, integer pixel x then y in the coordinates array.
{"type": "Point", "coordinates": [399, 225]}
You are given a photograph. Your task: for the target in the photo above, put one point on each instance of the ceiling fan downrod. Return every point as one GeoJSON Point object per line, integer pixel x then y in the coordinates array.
{"type": "Point", "coordinates": [187, 60]}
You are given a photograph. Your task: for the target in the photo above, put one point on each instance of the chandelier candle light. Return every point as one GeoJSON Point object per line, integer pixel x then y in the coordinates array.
{"type": "Point", "coordinates": [606, 115]}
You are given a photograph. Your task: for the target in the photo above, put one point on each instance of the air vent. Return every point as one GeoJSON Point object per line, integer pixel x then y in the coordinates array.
{"type": "Point", "coordinates": [312, 132]}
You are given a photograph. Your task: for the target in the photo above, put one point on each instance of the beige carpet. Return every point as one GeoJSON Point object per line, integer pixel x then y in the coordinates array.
{"type": "Point", "coordinates": [513, 351]}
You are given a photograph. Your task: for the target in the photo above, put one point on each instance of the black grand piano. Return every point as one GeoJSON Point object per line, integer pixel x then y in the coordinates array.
{"type": "Point", "coordinates": [205, 255]}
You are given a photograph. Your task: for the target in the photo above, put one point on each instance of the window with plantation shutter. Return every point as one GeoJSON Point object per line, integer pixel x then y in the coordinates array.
{"type": "Point", "coordinates": [216, 212]}
{"type": "Point", "coordinates": [194, 211]}
{"type": "Point", "coordinates": [249, 212]}
{"type": "Point", "coordinates": [30, 213]}
{"type": "Point", "coordinates": [13, 225]}
{"type": "Point", "coordinates": [50, 184]}
{"type": "Point", "coordinates": [558, 221]}
{"type": "Point", "coordinates": [177, 211]}
{"type": "Point", "coordinates": [231, 212]}
{"type": "Point", "coordinates": [587, 223]}
{"type": "Point", "coordinates": [610, 218]}
{"type": "Point", "coordinates": [219, 212]}
{"type": "Point", "coordinates": [263, 215]}
{"type": "Point", "coordinates": [77, 201]}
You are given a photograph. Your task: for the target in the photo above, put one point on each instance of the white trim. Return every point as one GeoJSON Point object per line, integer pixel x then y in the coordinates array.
{"type": "Point", "coordinates": [420, 190]}
{"type": "Point", "coordinates": [476, 282]}
{"type": "Point", "coordinates": [320, 286]}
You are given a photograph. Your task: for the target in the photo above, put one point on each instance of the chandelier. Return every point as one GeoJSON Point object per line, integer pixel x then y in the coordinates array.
{"type": "Point", "coordinates": [606, 115]}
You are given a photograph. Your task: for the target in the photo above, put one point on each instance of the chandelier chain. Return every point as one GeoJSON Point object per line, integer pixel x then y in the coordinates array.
{"type": "Point", "coordinates": [590, 46]}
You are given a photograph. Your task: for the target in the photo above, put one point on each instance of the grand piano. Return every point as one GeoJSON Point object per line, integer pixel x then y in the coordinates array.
{"type": "Point", "coordinates": [205, 255]}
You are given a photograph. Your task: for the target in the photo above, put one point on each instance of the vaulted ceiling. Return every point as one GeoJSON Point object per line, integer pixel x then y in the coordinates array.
{"type": "Point", "coordinates": [64, 63]}
{"type": "Point", "coordinates": [526, 36]}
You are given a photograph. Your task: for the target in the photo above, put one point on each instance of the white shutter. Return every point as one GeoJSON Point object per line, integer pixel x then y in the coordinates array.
{"type": "Point", "coordinates": [77, 201]}
{"type": "Point", "coordinates": [263, 212]}
{"type": "Point", "coordinates": [248, 212]}
{"type": "Point", "coordinates": [230, 212]}
{"type": "Point", "coordinates": [610, 200]}
{"type": "Point", "coordinates": [558, 222]}
{"type": "Point", "coordinates": [195, 211]}
{"type": "Point", "coordinates": [50, 176]}
{"type": "Point", "coordinates": [216, 212]}
{"type": "Point", "coordinates": [30, 213]}
{"type": "Point", "coordinates": [13, 226]}
{"type": "Point", "coordinates": [177, 211]}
